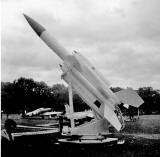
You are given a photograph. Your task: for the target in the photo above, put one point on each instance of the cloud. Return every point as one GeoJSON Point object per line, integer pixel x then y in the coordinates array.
{"type": "Point", "coordinates": [121, 38]}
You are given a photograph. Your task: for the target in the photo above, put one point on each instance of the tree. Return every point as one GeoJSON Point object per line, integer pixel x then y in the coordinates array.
{"type": "Point", "coordinates": [24, 90]}
{"type": "Point", "coordinates": [79, 104]}
{"type": "Point", "coordinates": [27, 94]}
{"type": "Point", "coordinates": [60, 94]}
{"type": "Point", "coordinates": [151, 100]}
{"type": "Point", "coordinates": [7, 97]}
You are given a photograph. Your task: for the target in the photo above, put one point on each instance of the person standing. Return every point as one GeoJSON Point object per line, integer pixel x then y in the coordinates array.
{"type": "Point", "coordinates": [7, 138]}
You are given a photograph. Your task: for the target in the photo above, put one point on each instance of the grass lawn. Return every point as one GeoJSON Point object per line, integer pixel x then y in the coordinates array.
{"type": "Point", "coordinates": [147, 124]}
{"type": "Point", "coordinates": [135, 146]}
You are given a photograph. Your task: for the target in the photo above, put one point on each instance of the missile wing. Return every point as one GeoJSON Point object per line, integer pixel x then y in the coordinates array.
{"type": "Point", "coordinates": [130, 97]}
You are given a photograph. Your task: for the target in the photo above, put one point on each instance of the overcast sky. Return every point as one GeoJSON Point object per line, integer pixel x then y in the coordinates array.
{"type": "Point", "coordinates": [120, 37]}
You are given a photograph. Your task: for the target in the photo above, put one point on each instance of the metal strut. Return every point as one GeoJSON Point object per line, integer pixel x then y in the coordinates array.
{"type": "Point", "coordinates": [71, 105]}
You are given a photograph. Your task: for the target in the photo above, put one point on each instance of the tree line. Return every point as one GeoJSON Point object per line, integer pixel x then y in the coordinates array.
{"type": "Point", "coordinates": [27, 94]}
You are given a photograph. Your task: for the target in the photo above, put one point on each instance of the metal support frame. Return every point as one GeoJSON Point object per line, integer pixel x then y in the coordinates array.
{"type": "Point", "coordinates": [71, 105]}
{"type": "Point", "coordinates": [138, 112]}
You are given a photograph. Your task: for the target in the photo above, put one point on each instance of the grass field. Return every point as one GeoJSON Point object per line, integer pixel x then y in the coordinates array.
{"type": "Point", "coordinates": [142, 140]}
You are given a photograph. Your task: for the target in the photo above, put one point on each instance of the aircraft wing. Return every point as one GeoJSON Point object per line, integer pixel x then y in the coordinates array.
{"type": "Point", "coordinates": [51, 113]}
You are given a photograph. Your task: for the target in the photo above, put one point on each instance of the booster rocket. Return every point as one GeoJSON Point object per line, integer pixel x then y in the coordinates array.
{"type": "Point", "coordinates": [83, 77]}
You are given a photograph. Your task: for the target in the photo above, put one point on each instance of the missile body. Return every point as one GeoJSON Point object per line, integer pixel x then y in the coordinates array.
{"type": "Point", "coordinates": [83, 77]}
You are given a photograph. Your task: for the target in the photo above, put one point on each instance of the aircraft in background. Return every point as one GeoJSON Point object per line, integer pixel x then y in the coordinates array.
{"type": "Point", "coordinates": [77, 115]}
{"type": "Point", "coordinates": [37, 112]}
{"type": "Point", "coordinates": [51, 114]}
{"type": "Point", "coordinates": [43, 112]}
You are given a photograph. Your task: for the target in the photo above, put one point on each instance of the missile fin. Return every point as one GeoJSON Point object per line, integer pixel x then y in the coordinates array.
{"type": "Point", "coordinates": [112, 118]}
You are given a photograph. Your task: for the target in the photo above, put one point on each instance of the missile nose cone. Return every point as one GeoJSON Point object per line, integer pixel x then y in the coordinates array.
{"type": "Point", "coordinates": [39, 29]}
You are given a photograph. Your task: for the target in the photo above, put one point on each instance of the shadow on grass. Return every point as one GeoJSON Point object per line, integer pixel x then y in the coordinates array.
{"type": "Point", "coordinates": [45, 146]}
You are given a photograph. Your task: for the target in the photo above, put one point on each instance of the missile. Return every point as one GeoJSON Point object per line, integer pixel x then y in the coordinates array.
{"type": "Point", "coordinates": [84, 78]}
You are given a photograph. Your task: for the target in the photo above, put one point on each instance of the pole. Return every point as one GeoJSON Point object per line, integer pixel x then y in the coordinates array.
{"type": "Point", "coordinates": [138, 112]}
{"type": "Point", "coordinates": [71, 105]}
